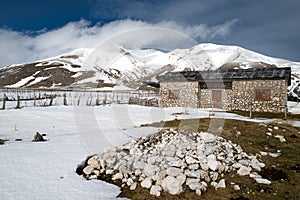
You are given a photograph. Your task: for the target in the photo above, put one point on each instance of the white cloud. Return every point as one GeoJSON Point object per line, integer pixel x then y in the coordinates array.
{"type": "Point", "coordinates": [19, 47]}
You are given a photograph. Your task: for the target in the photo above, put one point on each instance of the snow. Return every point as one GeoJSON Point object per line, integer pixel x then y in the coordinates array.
{"type": "Point", "coordinates": [47, 170]}
{"type": "Point", "coordinates": [22, 82]}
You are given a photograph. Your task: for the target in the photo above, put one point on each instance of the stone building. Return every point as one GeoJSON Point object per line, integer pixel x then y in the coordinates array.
{"type": "Point", "coordinates": [262, 90]}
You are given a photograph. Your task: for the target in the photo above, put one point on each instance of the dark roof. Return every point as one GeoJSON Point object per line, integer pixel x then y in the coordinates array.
{"type": "Point", "coordinates": [232, 74]}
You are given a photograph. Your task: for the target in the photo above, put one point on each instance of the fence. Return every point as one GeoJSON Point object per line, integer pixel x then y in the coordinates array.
{"type": "Point", "coordinates": [18, 98]}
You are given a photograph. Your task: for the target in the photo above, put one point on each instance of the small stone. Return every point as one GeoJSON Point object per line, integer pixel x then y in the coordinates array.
{"type": "Point", "coordinates": [171, 185]}
{"type": "Point", "coordinates": [133, 186]}
{"type": "Point", "coordinates": [181, 178]}
{"type": "Point", "coordinates": [281, 138]}
{"type": "Point", "coordinates": [147, 183]}
{"type": "Point", "coordinates": [198, 192]}
{"type": "Point", "coordinates": [195, 185]}
{"type": "Point", "coordinates": [149, 170]}
{"type": "Point", "coordinates": [212, 162]}
{"type": "Point", "coordinates": [236, 187]}
{"type": "Point", "coordinates": [192, 174]}
{"type": "Point", "coordinates": [155, 190]}
{"type": "Point", "coordinates": [129, 181]}
{"type": "Point", "coordinates": [117, 176]}
{"type": "Point", "coordinates": [262, 181]}
{"type": "Point", "coordinates": [193, 167]}
{"type": "Point", "coordinates": [88, 170]}
{"type": "Point", "coordinates": [243, 171]}
{"type": "Point", "coordinates": [275, 128]}
{"type": "Point", "coordinates": [268, 134]}
{"type": "Point", "coordinates": [190, 160]}
{"type": "Point", "coordinates": [263, 153]}
{"type": "Point", "coordinates": [173, 171]}
{"type": "Point", "coordinates": [94, 162]}
{"type": "Point", "coordinates": [221, 184]}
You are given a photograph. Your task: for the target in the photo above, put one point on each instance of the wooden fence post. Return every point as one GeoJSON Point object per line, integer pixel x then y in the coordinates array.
{"type": "Point", "coordinates": [51, 100]}
{"type": "Point", "coordinates": [18, 102]}
{"type": "Point", "coordinates": [4, 101]}
{"type": "Point", "coordinates": [65, 100]}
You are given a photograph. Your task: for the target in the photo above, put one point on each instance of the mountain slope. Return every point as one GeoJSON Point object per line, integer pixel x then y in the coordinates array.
{"type": "Point", "coordinates": [94, 68]}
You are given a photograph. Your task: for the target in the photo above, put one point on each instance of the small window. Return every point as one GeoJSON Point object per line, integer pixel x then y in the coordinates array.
{"type": "Point", "coordinates": [263, 94]}
{"type": "Point", "coordinates": [173, 94]}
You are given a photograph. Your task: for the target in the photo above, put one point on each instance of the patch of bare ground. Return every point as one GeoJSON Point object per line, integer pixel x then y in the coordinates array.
{"type": "Point", "coordinates": [283, 170]}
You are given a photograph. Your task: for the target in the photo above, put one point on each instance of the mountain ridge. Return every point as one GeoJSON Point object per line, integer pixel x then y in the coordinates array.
{"type": "Point", "coordinates": [93, 68]}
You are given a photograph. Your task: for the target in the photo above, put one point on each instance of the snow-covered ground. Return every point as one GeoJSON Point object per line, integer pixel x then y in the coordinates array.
{"type": "Point", "coordinates": [46, 170]}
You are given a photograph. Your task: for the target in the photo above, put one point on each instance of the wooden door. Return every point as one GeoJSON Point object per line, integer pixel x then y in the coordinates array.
{"type": "Point", "coordinates": [216, 97]}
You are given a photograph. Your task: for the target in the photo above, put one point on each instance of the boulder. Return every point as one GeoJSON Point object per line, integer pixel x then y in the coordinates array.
{"type": "Point", "coordinates": [173, 171]}
{"type": "Point", "coordinates": [147, 183]}
{"type": "Point", "coordinates": [243, 171]}
{"type": "Point", "coordinates": [262, 181]}
{"type": "Point", "coordinates": [88, 170]}
{"type": "Point", "coordinates": [155, 190]}
{"type": "Point", "coordinates": [38, 138]}
{"type": "Point", "coordinates": [213, 164]}
{"type": "Point", "coordinates": [171, 185]}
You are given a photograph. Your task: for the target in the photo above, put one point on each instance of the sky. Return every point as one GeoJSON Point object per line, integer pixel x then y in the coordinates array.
{"type": "Point", "coordinates": [32, 30]}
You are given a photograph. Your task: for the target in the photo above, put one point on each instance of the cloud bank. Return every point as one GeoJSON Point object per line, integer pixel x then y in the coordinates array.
{"type": "Point", "coordinates": [20, 47]}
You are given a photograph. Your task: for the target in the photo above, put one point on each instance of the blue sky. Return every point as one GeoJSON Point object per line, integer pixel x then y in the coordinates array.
{"type": "Point", "coordinates": [38, 29]}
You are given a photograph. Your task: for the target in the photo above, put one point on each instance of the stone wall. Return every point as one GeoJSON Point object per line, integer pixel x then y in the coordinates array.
{"type": "Point", "coordinates": [187, 94]}
{"type": "Point", "coordinates": [243, 94]}
{"type": "Point", "coordinates": [240, 97]}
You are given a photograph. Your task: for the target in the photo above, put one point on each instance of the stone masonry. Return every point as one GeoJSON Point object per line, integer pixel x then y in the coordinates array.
{"type": "Point", "coordinates": [242, 95]}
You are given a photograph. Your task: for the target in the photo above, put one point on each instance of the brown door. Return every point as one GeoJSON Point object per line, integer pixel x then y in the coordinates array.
{"type": "Point", "coordinates": [216, 98]}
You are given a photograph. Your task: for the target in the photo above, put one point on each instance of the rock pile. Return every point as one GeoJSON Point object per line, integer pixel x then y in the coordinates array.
{"type": "Point", "coordinates": [170, 161]}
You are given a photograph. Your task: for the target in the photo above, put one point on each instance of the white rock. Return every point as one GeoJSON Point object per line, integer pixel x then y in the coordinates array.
{"type": "Point", "coordinates": [195, 185]}
{"type": "Point", "coordinates": [156, 177]}
{"type": "Point", "coordinates": [192, 180]}
{"type": "Point", "coordinates": [198, 192]}
{"type": "Point", "coordinates": [109, 171]}
{"type": "Point", "coordinates": [212, 162]}
{"type": "Point", "coordinates": [204, 166]}
{"type": "Point", "coordinates": [88, 170]}
{"type": "Point", "coordinates": [221, 184]}
{"type": "Point", "coordinates": [281, 138]}
{"type": "Point", "coordinates": [94, 162]}
{"type": "Point", "coordinates": [129, 182]}
{"type": "Point", "coordinates": [155, 190]}
{"type": "Point", "coordinates": [207, 137]}
{"type": "Point", "coordinates": [268, 134]}
{"type": "Point", "coordinates": [171, 185]}
{"type": "Point", "coordinates": [149, 170]}
{"type": "Point", "coordinates": [138, 165]}
{"type": "Point", "coordinates": [181, 178]}
{"type": "Point", "coordinates": [133, 186]}
{"type": "Point", "coordinates": [190, 160]}
{"type": "Point", "coordinates": [263, 153]}
{"type": "Point", "coordinates": [173, 171]}
{"type": "Point", "coordinates": [254, 175]}
{"type": "Point", "coordinates": [263, 181]}
{"type": "Point", "coordinates": [147, 183]}
{"type": "Point", "coordinates": [192, 174]}
{"type": "Point", "coordinates": [193, 166]}
{"type": "Point", "coordinates": [117, 176]}
{"type": "Point", "coordinates": [274, 155]}
{"type": "Point", "coordinates": [255, 164]}
{"type": "Point", "coordinates": [275, 128]}
{"type": "Point", "coordinates": [93, 177]}
{"type": "Point", "coordinates": [269, 129]}
{"type": "Point", "coordinates": [243, 171]}
{"type": "Point", "coordinates": [236, 187]}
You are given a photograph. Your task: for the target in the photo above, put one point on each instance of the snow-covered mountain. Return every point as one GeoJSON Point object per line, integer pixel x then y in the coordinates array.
{"type": "Point", "coordinates": [95, 68]}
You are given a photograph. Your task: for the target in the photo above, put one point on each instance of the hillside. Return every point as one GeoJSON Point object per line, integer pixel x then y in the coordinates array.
{"type": "Point", "coordinates": [93, 68]}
